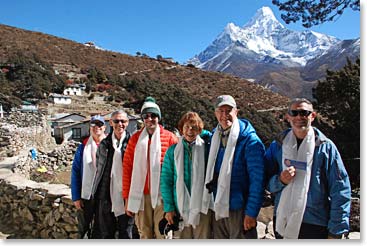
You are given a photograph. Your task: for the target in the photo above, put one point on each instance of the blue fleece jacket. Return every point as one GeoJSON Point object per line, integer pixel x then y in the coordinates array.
{"type": "Point", "coordinates": [329, 194]}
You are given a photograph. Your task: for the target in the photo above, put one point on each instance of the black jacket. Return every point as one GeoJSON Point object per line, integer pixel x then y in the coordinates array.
{"type": "Point", "coordinates": [104, 158]}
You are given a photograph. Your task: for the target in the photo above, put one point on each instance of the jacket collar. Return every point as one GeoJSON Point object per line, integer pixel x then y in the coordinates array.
{"type": "Point", "coordinates": [320, 138]}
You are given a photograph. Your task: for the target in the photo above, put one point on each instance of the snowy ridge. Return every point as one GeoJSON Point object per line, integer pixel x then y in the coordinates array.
{"type": "Point", "coordinates": [269, 41]}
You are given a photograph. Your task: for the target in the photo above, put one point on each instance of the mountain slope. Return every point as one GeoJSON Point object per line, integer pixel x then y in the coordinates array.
{"type": "Point", "coordinates": [264, 46]}
{"type": "Point", "coordinates": [177, 88]}
{"type": "Point", "coordinates": [265, 36]}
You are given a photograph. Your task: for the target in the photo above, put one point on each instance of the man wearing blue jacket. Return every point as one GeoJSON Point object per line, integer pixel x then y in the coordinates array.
{"type": "Point", "coordinates": [235, 173]}
{"type": "Point", "coordinates": [306, 174]}
{"type": "Point", "coordinates": [82, 175]}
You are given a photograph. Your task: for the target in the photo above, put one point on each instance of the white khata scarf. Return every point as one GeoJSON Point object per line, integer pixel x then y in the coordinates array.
{"type": "Point", "coordinates": [89, 168]}
{"type": "Point", "coordinates": [190, 207]}
{"type": "Point", "coordinates": [293, 199]}
{"type": "Point", "coordinates": [221, 203]}
{"type": "Point", "coordinates": [118, 206]}
{"type": "Point", "coordinates": [136, 198]}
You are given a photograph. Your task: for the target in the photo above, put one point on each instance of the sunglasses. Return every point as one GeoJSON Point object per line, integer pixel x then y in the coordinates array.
{"type": "Point", "coordinates": [117, 121]}
{"type": "Point", "coordinates": [301, 112]}
{"type": "Point", "coordinates": [146, 116]}
{"type": "Point", "coordinates": [96, 123]}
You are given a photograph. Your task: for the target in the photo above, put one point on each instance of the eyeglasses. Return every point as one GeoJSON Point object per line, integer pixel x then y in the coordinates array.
{"type": "Point", "coordinates": [96, 123]}
{"type": "Point", "coordinates": [146, 116]}
{"type": "Point", "coordinates": [117, 121]}
{"type": "Point", "coordinates": [300, 112]}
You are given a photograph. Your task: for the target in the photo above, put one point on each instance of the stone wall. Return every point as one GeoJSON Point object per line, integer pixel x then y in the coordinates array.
{"type": "Point", "coordinates": [36, 210]}
{"type": "Point", "coordinates": [20, 131]}
{"type": "Point", "coordinates": [59, 159]}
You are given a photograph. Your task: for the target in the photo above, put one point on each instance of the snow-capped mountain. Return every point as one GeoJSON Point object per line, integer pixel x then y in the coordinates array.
{"type": "Point", "coordinates": [262, 46]}
{"type": "Point", "coordinates": [268, 40]}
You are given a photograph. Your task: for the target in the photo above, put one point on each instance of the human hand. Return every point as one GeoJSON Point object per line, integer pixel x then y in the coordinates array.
{"type": "Point", "coordinates": [287, 175]}
{"type": "Point", "coordinates": [78, 204]}
{"type": "Point", "coordinates": [169, 217]}
{"type": "Point", "coordinates": [249, 222]}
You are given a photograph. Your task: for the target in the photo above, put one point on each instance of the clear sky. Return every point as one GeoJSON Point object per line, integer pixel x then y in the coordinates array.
{"type": "Point", "coordinates": [171, 28]}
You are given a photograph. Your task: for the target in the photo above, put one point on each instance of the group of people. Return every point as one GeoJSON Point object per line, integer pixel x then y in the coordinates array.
{"type": "Point", "coordinates": [208, 185]}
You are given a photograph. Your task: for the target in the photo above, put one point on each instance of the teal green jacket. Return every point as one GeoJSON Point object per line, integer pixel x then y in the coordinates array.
{"type": "Point", "coordinates": [169, 174]}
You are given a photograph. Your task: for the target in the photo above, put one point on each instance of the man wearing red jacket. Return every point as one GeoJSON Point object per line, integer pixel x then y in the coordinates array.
{"type": "Point", "coordinates": [142, 168]}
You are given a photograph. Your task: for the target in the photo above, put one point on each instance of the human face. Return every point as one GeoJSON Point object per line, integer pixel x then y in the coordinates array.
{"type": "Point", "coordinates": [226, 115]}
{"type": "Point", "coordinates": [119, 123]}
{"type": "Point", "coordinates": [97, 129]}
{"type": "Point", "coordinates": [150, 122]}
{"type": "Point", "coordinates": [190, 131]}
{"type": "Point", "coordinates": [301, 122]}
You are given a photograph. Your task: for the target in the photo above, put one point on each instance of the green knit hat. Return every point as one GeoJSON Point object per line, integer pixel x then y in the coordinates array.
{"type": "Point", "coordinates": [150, 106]}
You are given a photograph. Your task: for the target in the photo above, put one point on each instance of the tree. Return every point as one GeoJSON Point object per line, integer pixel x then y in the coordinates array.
{"type": "Point", "coordinates": [30, 77]}
{"type": "Point", "coordinates": [314, 12]}
{"type": "Point", "coordinates": [338, 99]}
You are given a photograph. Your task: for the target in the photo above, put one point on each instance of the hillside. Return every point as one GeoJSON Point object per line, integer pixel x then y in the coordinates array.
{"type": "Point", "coordinates": [177, 88]}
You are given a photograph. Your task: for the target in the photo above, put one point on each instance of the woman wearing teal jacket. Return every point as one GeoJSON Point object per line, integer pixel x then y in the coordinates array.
{"type": "Point", "coordinates": [183, 176]}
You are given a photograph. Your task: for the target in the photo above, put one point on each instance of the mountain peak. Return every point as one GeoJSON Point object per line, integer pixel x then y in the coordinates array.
{"type": "Point", "coordinates": [265, 11]}
{"type": "Point", "coordinates": [264, 19]}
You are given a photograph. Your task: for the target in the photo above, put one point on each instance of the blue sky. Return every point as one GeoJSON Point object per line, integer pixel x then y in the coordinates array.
{"type": "Point", "coordinates": [177, 29]}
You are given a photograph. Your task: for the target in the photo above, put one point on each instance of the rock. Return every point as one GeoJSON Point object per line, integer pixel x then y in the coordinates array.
{"type": "Point", "coordinates": [27, 214]}
{"type": "Point", "coordinates": [28, 227]}
{"type": "Point", "coordinates": [58, 235]}
{"type": "Point", "coordinates": [57, 215]}
{"type": "Point", "coordinates": [44, 234]}
{"type": "Point", "coordinates": [61, 208]}
{"type": "Point", "coordinates": [37, 197]}
{"type": "Point", "coordinates": [34, 205]}
{"type": "Point", "coordinates": [73, 235]}
{"type": "Point", "coordinates": [67, 218]}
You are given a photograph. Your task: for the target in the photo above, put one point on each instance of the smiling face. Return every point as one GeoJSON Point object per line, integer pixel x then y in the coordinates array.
{"type": "Point", "coordinates": [150, 121]}
{"type": "Point", "coordinates": [190, 125]}
{"type": "Point", "coordinates": [190, 131]}
{"type": "Point", "coordinates": [119, 124]}
{"type": "Point", "coordinates": [97, 129]}
{"type": "Point", "coordinates": [226, 115]}
{"type": "Point", "coordinates": [300, 116]}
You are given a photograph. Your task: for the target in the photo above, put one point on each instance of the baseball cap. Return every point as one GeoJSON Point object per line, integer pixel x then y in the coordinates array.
{"type": "Point", "coordinates": [225, 100]}
{"type": "Point", "coordinates": [97, 118]}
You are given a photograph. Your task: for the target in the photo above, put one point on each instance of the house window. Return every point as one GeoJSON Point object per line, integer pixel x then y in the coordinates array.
{"type": "Point", "coordinates": [77, 133]}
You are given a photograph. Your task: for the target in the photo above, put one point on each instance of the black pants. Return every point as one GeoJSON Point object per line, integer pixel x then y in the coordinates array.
{"type": "Point", "coordinates": [107, 225]}
{"type": "Point", "coordinates": [85, 218]}
{"type": "Point", "coordinates": [307, 231]}
{"type": "Point", "coordinates": [132, 229]}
